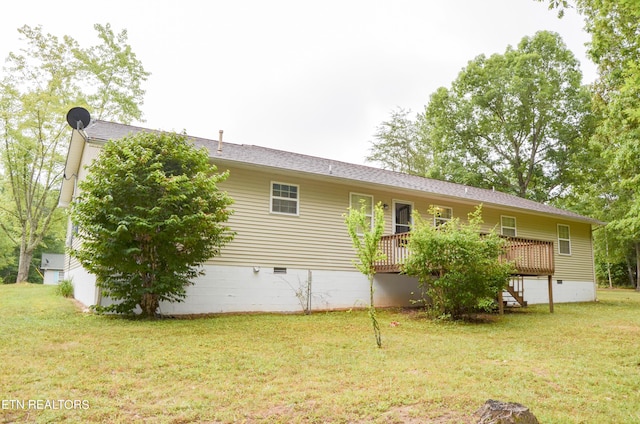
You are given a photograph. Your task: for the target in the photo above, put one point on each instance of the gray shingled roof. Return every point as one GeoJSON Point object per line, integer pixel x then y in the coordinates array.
{"type": "Point", "coordinates": [288, 161]}
{"type": "Point", "coordinates": [52, 261]}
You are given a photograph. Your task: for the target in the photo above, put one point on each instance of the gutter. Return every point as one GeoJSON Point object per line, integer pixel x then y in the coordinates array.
{"type": "Point", "coordinates": [71, 168]}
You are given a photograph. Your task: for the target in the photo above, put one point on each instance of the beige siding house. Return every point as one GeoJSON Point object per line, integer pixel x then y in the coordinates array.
{"type": "Point", "coordinates": [292, 242]}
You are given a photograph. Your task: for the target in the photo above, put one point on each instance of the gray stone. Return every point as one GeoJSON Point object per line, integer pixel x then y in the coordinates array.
{"type": "Point", "coordinates": [496, 412]}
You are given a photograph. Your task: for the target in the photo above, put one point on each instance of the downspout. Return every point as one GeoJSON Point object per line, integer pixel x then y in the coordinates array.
{"type": "Point", "coordinates": [69, 244]}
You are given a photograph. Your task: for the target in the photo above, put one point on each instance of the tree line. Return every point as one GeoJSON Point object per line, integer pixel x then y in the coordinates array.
{"type": "Point", "coordinates": [40, 83]}
{"type": "Point", "coordinates": [523, 123]}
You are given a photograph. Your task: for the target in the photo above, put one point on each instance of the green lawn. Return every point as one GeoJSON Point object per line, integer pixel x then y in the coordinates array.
{"type": "Point", "coordinates": [580, 364]}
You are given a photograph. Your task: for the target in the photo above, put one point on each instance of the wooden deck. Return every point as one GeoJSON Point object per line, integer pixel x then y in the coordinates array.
{"type": "Point", "coordinates": [531, 257]}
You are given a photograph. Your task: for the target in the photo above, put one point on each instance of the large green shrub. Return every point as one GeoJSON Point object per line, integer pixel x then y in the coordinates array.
{"type": "Point", "coordinates": [459, 268]}
{"type": "Point", "coordinates": [150, 214]}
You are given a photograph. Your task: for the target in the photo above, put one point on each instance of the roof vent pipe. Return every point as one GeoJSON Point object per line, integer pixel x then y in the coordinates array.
{"type": "Point", "coordinates": [220, 142]}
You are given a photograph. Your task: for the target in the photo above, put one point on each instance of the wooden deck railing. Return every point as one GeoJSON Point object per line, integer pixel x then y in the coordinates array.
{"type": "Point", "coordinates": [530, 257]}
{"type": "Point", "coordinates": [395, 247]}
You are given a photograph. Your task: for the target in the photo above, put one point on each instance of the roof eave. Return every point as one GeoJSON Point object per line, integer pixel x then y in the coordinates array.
{"type": "Point", "coordinates": [331, 173]}
{"type": "Point", "coordinates": [346, 180]}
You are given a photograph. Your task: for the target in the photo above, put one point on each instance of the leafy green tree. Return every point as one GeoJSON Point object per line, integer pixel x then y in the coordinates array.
{"type": "Point", "coordinates": [613, 25]}
{"type": "Point", "coordinates": [614, 259]}
{"type": "Point", "coordinates": [112, 76]}
{"type": "Point", "coordinates": [7, 247]}
{"type": "Point", "coordinates": [52, 242]}
{"type": "Point", "coordinates": [398, 145]}
{"type": "Point", "coordinates": [459, 268]}
{"type": "Point", "coordinates": [510, 121]}
{"type": "Point", "coordinates": [611, 187]}
{"type": "Point", "coordinates": [366, 235]}
{"type": "Point", "coordinates": [150, 213]}
{"type": "Point", "coordinates": [619, 92]}
{"type": "Point", "coordinates": [40, 84]}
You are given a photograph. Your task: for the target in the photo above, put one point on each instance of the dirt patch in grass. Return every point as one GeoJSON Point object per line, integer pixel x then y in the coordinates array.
{"type": "Point", "coordinates": [474, 318]}
{"type": "Point", "coordinates": [415, 414]}
{"type": "Point", "coordinates": [404, 414]}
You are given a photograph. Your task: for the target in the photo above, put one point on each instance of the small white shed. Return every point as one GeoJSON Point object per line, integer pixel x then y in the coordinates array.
{"type": "Point", "coordinates": [52, 267]}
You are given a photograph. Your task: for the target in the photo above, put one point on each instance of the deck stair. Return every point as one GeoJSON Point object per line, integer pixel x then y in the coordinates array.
{"type": "Point", "coordinates": [515, 291]}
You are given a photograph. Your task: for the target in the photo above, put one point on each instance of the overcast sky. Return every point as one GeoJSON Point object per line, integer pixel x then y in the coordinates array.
{"type": "Point", "coordinates": [313, 77]}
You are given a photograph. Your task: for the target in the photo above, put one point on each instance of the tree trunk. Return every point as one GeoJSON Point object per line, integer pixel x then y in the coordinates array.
{"type": "Point", "coordinates": [629, 271]}
{"type": "Point", "coordinates": [149, 304]}
{"type": "Point", "coordinates": [372, 313]}
{"type": "Point", "coordinates": [371, 290]}
{"type": "Point", "coordinates": [606, 243]}
{"type": "Point", "coordinates": [24, 263]}
{"type": "Point", "coordinates": [637, 266]}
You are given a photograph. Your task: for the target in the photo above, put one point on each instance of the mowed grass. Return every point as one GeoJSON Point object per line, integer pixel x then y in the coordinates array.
{"type": "Point", "coordinates": [578, 365]}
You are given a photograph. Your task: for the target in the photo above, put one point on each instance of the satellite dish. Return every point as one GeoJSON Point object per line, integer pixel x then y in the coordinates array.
{"type": "Point", "coordinates": [78, 118]}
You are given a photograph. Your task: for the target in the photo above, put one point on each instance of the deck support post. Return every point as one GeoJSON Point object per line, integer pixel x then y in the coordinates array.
{"type": "Point", "coordinates": [550, 280]}
{"type": "Point", "coordinates": [500, 303]}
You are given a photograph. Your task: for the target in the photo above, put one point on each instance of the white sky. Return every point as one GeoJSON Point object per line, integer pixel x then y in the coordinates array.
{"type": "Point", "coordinates": [313, 77]}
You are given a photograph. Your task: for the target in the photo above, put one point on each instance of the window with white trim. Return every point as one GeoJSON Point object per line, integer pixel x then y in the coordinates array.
{"type": "Point", "coordinates": [357, 200]}
{"type": "Point", "coordinates": [564, 239]}
{"type": "Point", "coordinates": [284, 198]}
{"type": "Point", "coordinates": [441, 215]}
{"type": "Point", "coordinates": [508, 226]}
